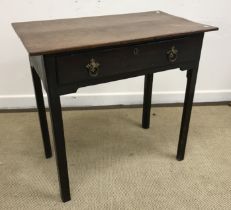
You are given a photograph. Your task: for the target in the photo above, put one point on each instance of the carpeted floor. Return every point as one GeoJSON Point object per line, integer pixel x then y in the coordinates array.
{"type": "Point", "coordinates": [114, 164]}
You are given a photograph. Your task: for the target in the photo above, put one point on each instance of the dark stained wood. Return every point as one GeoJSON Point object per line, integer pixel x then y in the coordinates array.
{"type": "Point", "coordinates": [58, 131]}
{"type": "Point", "coordinates": [188, 102]}
{"type": "Point", "coordinates": [52, 36]}
{"type": "Point", "coordinates": [148, 79]}
{"type": "Point", "coordinates": [41, 113]}
{"type": "Point", "coordinates": [71, 68]}
{"type": "Point", "coordinates": [73, 53]}
{"type": "Point", "coordinates": [190, 89]}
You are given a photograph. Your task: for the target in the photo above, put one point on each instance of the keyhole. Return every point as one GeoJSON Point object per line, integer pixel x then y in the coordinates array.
{"type": "Point", "coordinates": [136, 51]}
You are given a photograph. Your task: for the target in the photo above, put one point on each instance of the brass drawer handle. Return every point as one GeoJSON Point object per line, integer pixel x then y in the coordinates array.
{"type": "Point", "coordinates": [172, 54]}
{"type": "Point", "coordinates": [93, 68]}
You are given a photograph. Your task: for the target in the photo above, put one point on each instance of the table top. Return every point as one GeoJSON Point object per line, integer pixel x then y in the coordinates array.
{"type": "Point", "coordinates": [53, 36]}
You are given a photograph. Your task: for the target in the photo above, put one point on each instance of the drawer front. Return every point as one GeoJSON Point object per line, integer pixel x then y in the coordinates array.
{"type": "Point", "coordinates": [95, 64]}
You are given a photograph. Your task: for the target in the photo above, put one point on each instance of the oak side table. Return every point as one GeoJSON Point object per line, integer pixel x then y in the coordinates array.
{"type": "Point", "coordinates": [68, 54]}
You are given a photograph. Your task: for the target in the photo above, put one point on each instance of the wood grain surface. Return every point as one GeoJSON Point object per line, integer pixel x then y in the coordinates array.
{"type": "Point", "coordinates": [52, 36]}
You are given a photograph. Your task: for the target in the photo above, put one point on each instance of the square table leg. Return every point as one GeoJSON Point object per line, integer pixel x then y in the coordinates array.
{"type": "Point", "coordinates": [147, 100]}
{"type": "Point", "coordinates": [41, 113]}
{"type": "Point", "coordinates": [189, 95]}
{"type": "Point", "coordinates": [59, 143]}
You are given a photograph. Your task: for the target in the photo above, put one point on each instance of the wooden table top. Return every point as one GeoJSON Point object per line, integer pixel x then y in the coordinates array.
{"type": "Point", "coordinates": [52, 36]}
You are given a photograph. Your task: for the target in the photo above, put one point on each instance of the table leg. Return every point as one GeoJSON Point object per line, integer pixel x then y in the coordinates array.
{"type": "Point", "coordinates": [190, 89]}
{"type": "Point", "coordinates": [59, 143]}
{"type": "Point", "coordinates": [147, 100]}
{"type": "Point", "coordinates": [41, 113]}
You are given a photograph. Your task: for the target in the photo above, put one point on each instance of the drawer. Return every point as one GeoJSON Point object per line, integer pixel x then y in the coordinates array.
{"type": "Point", "coordinates": [95, 64]}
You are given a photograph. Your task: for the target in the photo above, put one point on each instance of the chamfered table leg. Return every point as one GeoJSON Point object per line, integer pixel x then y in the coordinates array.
{"type": "Point", "coordinates": [147, 100]}
{"type": "Point", "coordinates": [59, 143]}
{"type": "Point", "coordinates": [190, 89]}
{"type": "Point", "coordinates": [41, 113]}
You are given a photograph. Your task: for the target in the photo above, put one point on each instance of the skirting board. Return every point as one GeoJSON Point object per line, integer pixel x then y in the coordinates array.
{"type": "Point", "coordinates": [104, 99]}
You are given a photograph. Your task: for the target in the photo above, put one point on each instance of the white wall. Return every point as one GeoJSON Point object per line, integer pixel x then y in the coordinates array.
{"type": "Point", "coordinates": [214, 79]}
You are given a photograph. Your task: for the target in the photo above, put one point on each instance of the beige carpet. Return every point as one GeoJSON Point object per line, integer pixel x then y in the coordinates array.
{"type": "Point", "coordinates": [115, 164]}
